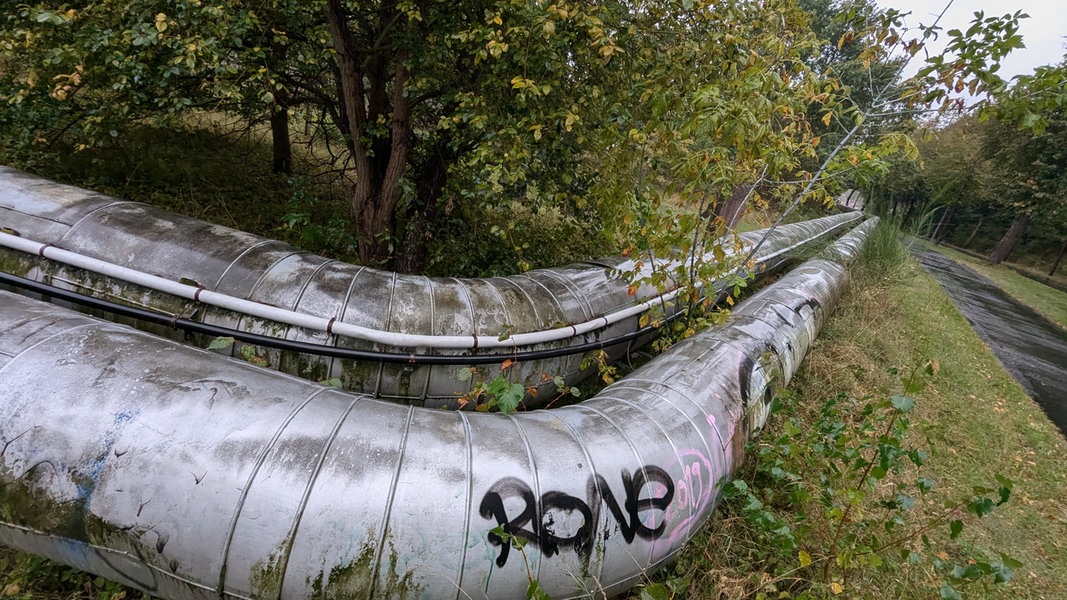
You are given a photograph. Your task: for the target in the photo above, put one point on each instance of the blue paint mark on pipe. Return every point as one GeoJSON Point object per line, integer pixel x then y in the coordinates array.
{"type": "Point", "coordinates": [91, 472]}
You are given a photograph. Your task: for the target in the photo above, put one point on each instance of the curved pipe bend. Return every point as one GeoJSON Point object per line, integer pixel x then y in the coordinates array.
{"type": "Point", "coordinates": [193, 476]}
{"type": "Point", "coordinates": [267, 287]}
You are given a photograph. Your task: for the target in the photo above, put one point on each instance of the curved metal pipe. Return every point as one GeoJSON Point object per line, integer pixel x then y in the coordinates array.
{"type": "Point", "coordinates": [260, 284]}
{"type": "Point", "coordinates": [142, 315]}
{"type": "Point", "coordinates": [202, 295]}
{"type": "Point", "coordinates": [193, 476]}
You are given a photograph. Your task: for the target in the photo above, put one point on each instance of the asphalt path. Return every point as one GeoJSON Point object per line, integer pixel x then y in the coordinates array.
{"type": "Point", "coordinates": [1032, 348]}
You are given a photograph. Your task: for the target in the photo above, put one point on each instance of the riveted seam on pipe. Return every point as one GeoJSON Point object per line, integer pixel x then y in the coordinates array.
{"type": "Point", "coordinates": [246, 489]}
{"type": "Point", "coordinates": [697, 429]}
{"type": "Point", "coordinates": [71, 227]}
{"type": "Point", "coordinates": [529, 300]}
{"type": "Point", "coordinates": [587, 311]}
{"type": "Point", "coordinates": [98, 548]}
{"type": "Point", "coordinates": [247, 251]}
{"type": "Point", "coordinates": [531, 461]}
{"type": "Point", "coordinates": [621, 432]}
{"type": "Point", "coordinates": [38, 343]}
{"type": "Point", "coordinates": [307, 282]}
{"type": "Point", "coordinates": [308, 488]}
{"type": "Point", "coordinates": [469, 302]}
{"type": "Point", "coordinates": [388, 514]}
{"type": "Point", "coordinates": [595, 472]}
{"type": "Point", "coordinates": [468, 438]}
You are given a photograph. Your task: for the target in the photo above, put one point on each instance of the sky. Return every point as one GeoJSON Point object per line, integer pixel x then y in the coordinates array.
{"type": "Point", "coordinates": [1043, 33]}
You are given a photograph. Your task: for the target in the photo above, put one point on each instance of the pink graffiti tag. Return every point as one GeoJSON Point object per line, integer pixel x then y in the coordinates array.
{"type": "Point", "coordinates": [694, 491]}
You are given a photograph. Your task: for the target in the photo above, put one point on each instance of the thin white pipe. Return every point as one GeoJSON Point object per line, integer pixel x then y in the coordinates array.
{"type": "Point", "coordinates": [298, 319]}
{"type": "Point", "coordinates": [340, 328]}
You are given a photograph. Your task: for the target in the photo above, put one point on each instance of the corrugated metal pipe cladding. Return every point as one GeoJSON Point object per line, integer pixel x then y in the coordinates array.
{"type": "Point", "coordinates": [100, 246]}
{"type": "Point", "coordinates": [191, 475]}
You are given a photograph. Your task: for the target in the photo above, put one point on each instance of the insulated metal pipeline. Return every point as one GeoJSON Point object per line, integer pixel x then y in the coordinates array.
{"type": "Point", "coordinates": [97, 245]}
{"type": "Point", "coordinates": [191, 475]}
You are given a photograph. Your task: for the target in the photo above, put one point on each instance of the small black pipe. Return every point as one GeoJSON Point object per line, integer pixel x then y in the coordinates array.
{"type": "Point", "coordinates": [412, 358]}
{"type": "Point", "coordinates": [306, 347]}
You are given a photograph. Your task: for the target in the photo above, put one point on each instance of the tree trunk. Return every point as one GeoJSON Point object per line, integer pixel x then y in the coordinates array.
{"type": "Point", "coordinates": [282, 159]}
{"type": "Point", "coordinates": [414, 252]}
{"type": "Point", "coordinates": [379, 159]}
{"type": "Point", "coordinates": [1059, 257]}
{"type": "Point", "coordinates": [1006, 243]}
{"type": "Point", "coordinates": [733, 208]}
{"type": "Point", "coordinates": [974, 232]}
{"type": "Point", "coordinates": [941, 231]}
{"type": "Point", "coordinates": [282, 147]}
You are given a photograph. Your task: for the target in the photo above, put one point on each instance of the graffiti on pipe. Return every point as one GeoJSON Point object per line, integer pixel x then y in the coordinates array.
{"type": "Point", "coordinates": [558, 521]}
{"type": "Point", "coordinates": [696, 490]}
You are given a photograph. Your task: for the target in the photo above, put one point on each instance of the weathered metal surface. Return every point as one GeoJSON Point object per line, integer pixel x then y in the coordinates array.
{"type": "Point", "coordinates": [239, 264]}
{"type": "Point", "coordinates": [191, 475]}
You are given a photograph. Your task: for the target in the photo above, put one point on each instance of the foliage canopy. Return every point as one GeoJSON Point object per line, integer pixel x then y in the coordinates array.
{"type": "Point", "coordinates": [447, 117]}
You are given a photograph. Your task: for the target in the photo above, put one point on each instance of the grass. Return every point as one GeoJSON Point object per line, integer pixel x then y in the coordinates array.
{"type": "Point", "coordinates": [1046, 300]}
{"type": "Point", "coordinates": [972, 419]}
{"type": "Point", "coordinates": [210, 171]}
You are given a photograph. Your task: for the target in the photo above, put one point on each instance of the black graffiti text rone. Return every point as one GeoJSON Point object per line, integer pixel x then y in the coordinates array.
{"type": "Point", "coordinates": [560, 521]}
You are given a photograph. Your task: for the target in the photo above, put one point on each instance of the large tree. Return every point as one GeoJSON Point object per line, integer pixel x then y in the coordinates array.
{"type": "Point", "coordinates": [1027, 145]}
{"type": "Point", "coordinates": [496, 94]}
{"type": "Point", "coordinates": [528, 100]}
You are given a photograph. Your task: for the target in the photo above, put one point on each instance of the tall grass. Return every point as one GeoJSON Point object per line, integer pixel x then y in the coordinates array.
{"type": "Point", "coordinates": [883, 259]}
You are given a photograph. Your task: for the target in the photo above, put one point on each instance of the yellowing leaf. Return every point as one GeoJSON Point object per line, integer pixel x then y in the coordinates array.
{"type": "Point", "coordinates": [826, 119]}
{"type": "Point", "coordinates": [836, 588]}
{"type": "Point", "coordinates": [161, 22]}
{"type": "Point", "coordinates": [805, 558]}
{"type": "Point", "coordinates": [815, 142]}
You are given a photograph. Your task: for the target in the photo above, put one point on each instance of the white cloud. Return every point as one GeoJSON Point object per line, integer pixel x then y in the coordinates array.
{"type": "Point", "coordinates": [1043, 33]}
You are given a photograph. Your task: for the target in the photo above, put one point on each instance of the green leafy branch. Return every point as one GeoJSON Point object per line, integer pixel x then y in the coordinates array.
{"type": "Point", "coordinates": [835, 497]}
